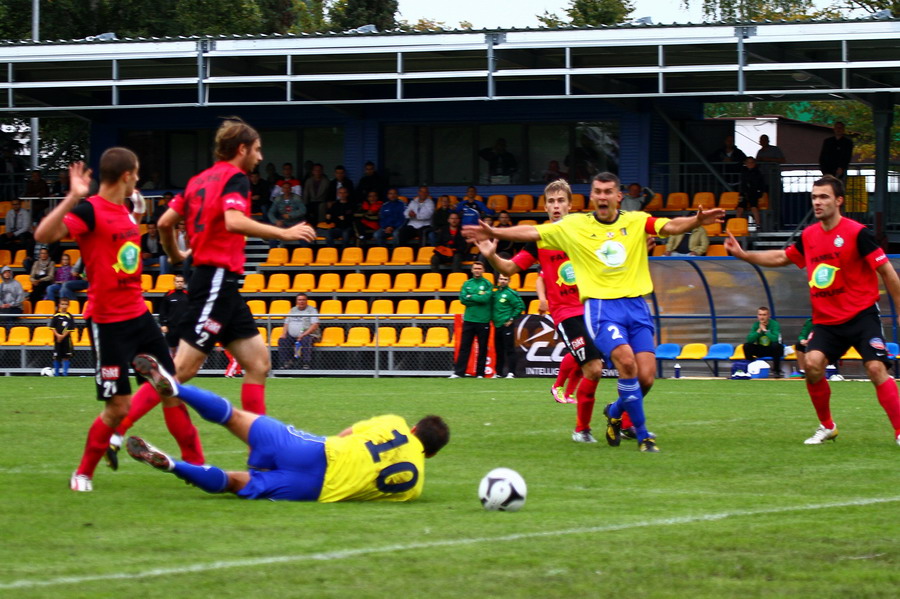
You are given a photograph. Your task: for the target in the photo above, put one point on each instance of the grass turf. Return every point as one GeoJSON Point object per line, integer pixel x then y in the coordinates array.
{"type": "Point", "coordinates": [734, 506]}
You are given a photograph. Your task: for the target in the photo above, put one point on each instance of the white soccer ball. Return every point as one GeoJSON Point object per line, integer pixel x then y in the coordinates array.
{"type": "Point", "coordinates": [46, 371]}
{"type": "Point", "coordinates": [502, 489]}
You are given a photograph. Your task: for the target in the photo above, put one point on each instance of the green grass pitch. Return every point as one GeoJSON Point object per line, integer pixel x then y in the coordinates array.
{"type": "Point", "coordinates": [734, 505]}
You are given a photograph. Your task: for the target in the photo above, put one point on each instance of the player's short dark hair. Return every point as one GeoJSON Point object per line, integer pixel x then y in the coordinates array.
{"type": "Point", "coordinates": [606, 177]}
{"type": "Point", "coordinates": [433, 432]}
{"type": "Point", "coordinates": [837, 186]}
{"type": "Point", "coordinates": [115, 162]}
{"type": "Point", "coordinates": [232, 134]}
{"type": "Point", "coordinates": [762, 309]}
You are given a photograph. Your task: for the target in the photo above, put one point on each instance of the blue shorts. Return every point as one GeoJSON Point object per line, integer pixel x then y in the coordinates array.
{"type": "Point", "coordinates": [615, 322]}
{"type": "Point", "coordinates": [285, 463]}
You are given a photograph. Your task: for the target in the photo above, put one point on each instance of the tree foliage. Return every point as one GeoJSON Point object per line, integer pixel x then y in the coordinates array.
{"type": "Point", "coordinates": [350, 14]}
{"type": "Point", "coordinates": [768, 10]}
{"type": "Point", "coordinates": [590, 12]}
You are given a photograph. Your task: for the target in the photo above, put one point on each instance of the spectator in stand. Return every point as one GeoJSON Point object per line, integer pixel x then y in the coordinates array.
{"type": "Point", "coordinates": [152, 250]}
{"type": "Point", "coordinates": [475, 295]}
{"type": "Point", "coordinates": [343, 216]}
{"type": "Point", "coordinates": [471, 210]}
{"type": "Point", "coordinates": [696, 244]}
{"type": "Point", "coordinates": [506, 249]}
{"type": "Point", "coordinates": [12, 295]}
{"type": "Point", "coordinates": [391, 217]}
{"type": "Point", "coordinates": [442, 211]}
{"type": "Point", "coordinates": [287, 208]}
{"type": "Point", "coordinates": [172, 307]}
{"type": "Point", "coordinates": [450, 245]}
{"type": "Point", "coordinates": [300, 332]}
{"type": "Point", "coordinates": [271, 174]}
{"type": "Point", "coordinates": [62, 275]}
{"type": "Point", "coordinates": [287, 176]}
{"type": "Point", "coordinates": [764, 341]}
{"type": "Point", "coordinates": [71, 288]}
{"type": "Point", "coordinates": [37, 189]}
{"type": "Point", "coordinates": [418, 213]}
{"type": "Point", "coordinates": [340, 181]}
{"type": "Point", "coordinates": [60, 187]}
{"type": "Point", "coordinates": [506, 305]}
{"type": "Point", "coordinates": [801, 347]}
{"type": "Point", "coordinates": [260, 195]}
{"type": "Point", "coordinates": [161, 205]}
{"type": "Point", "coordinates": [553, 172]}
{"type": "Point", "coordinates": [728, 158]}
{"type": "Point", "coordinates": [315, 194]}
{"type": "Point", "coordinates": [502, 165]}
{"type": "Point", "coordinates": [43, 273]}
{"type": "Point", "coordinates": [753, 186]}
{"type": "Point", "coordinates": [769, 153]}
{"type": "Point", "coordinates": [837, 151]}
{"type": "Point", "coordinates": [636, 197]}
{"type": "Point", "coordinates": [369, 214]}
{"type": "Point", "coordinates": [17, 235]}
{"type": "Point", "coordinates": [63, 325]}
{"type": "Point", "coordinates": [369, 182]}
{"type": "Point", "coordinates": [11, 168]}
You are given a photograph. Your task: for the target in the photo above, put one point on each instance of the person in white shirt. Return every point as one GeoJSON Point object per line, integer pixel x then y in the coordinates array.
{"type": "Point", "coordinates": [418, 214]}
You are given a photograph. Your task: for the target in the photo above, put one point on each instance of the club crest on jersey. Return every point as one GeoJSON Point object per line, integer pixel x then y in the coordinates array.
{"type": "Point", "coordinates": [566, 274]}
{"type": "Point", "coordinates": [610, 234]}
{"type": "Point", "coordinates": [623, 231]}
{"type": "Point", "coordinates": [109, 373]}
{"type": "Point", "coordinates": [128, 258]}
{"type": "Point", "coordinates": [838, 241]}
{"type": "Point", "coordinates": [611, 253]}
{"type": "Point", "coordinates": [213, 326]}
{"type": "Point", "coordinates": [823, 276]}
{"type": "Point", "coordinates": [877, 344]}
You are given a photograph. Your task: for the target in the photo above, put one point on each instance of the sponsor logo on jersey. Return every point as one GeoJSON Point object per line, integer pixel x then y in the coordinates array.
{"type": "Point", "coordinates": [823, 276]}
{"type": "Point", "coordinates": [578, 343]}
{"type": "Point", "coordinates": [128, 259]}
{"type": "Point", "coordinates": [838, 241]}
{"type": "Point", "coordinates": [109, 373]}
{"type": "Point", "coordinates": [213, 326]}
{"type": "Point", "coordinates": [566, 274]}
{"type": "Point", "coordinates": [612, 253]}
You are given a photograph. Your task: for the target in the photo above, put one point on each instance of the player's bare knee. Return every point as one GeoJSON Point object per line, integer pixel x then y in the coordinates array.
{"type": "Point", "coordinates": [593, 370]}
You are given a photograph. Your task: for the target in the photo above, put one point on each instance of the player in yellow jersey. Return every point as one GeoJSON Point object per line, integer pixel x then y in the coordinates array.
{"type": "Point", "coordinates": [608, 250]}
{"type": "Point", "coordinates": [377, 459]}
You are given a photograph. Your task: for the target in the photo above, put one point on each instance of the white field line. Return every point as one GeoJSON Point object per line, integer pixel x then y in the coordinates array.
{"type": "Point", "coordinates": [362, 551]}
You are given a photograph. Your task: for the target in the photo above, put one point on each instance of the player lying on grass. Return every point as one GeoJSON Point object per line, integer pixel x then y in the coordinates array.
{"type": "Point", "coordinates": [376, 459]}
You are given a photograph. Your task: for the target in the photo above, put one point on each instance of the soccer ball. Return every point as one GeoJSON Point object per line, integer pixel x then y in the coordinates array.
{"type": "Point", "coordinates": [503, 490]}
{"type": "Point", "coordinates": [46, 371]}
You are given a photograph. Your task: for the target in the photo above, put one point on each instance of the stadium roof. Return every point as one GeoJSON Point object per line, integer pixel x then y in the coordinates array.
{"type": "Point", "coordinates": [710, 62]}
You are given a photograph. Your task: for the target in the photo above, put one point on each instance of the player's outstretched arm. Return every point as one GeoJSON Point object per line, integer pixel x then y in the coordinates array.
{"type": "Point", "coordinates": [238, 222]}
{"type": "Point", "coordinates": [52, 228]}
{"type": "Point", "coordinates": [488, 249]}
{"type": "Point", "coordinates": [683, 224]}
{"type": "Point", "coordinates": [481, 231]}
{"type": "Point", "coordinates": [764, 258]}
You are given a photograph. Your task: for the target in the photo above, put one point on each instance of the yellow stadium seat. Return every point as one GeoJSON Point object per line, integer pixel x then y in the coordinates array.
{"type": "Point", "coordinates": [522, 202]}
{"type": "Point", "coordinates": [577, 202]}
{"type": "Point", "coordinates": [280, 306]}
{"type": "Point", "coordinates": [423, 256]}
{"type": "Point", "coordinates": [534, 306]}
{"type": "Point", "coordinates": [18, 335]}
{"type": "Point", "coordinates": [530, 282]}
{"type": "Point", "coordinates": [44, 307]}
{"type": "Point", "coordinates": [655, 203]}
{"type": "Point", "coordinates": [74, 255]}
{"type": "Point", "coordinates": [164, 283]}
{"type": "Point", "coordinates": [455, 281]}
{"type": "Point", "coordinates": [659, 250]}
{"type": "Point", "coordinates": [376, 256]}
{"type": "Point", "coordinates": [703, 198]}
{"type": "Point", "coordinates": [257, 307]}
{"type": "Point", "coordinates": [331, 307]}
{"type": "Point", "coordinates": [275, 336]}
{"type": "Point", "coordinates": [763, 203]}
{"type": "Point", "coordinates": [276, 257]}
{"type": "Point", "coordinates": [737, 227]}
{"type": "Point", "coordinates": [303, 282]}
{"type": "Point", "coordinates": [693, 351]}
{"type": "Point", "coordinates": [407, 308]}
{"type": "Point", "coordinates": [146, 282]}
{"type": "Point", "coordinates": [253, 282]}
{"type": "Point", "coordinates": [713, 230]}
{"type": "Point", "coordinates": [149, 305]}
{"type": "Point", "coordinates": [378, 282]}
{"type": "Point", "coordinates": [18, 259]}
{"type": "Point", "coordinates": [434, 306]}
{"type": "Point", "coordinates": [331, 337]}
{"type": "Point", "coordinates": [383, 337]}
{"type": "Point", "coordinates": [409, 337]}
{"type": "Point", "coordinates": [515, 281]}
{"type": "Point", "coordinates": [729, 200]}
{"type": "Point", "coordinates": [404, 282]}
{"type": "Point", "coordinates": [456, 307]}
{"type": "Point", "coordinates": [437, 337]}
{"type": "Point", "coordinates": [326, 256]}
{"type": "Point", "coordinates": [541, 203]}
{"type": "Point", "coordinates": [5, 257]}
{"type": "Point", "coordinates": [74, 308]}
{"type": "Point", "coordinates": [353, 282]}
{"type": "Point", "coordinates": [328, 282]}
{"type": "Point", "coordinates": [358, 337]}
{"type": "Point", "coordinates": [264, 333]}
{"type": "Point", "coordinates": [42, 336]}
{"type": "Point", "coordinates": [677, 200]}
{"type": "Point", "coordinates": [430, 281]}
{"type": "Point", "coordinates": [351, 256]}
{"type": "Point", "coordinates": [717, 250]}
{"type": "Point", "coordinates": [301, 257]}
{"type": "Point", "coordinates": [278, 282]}
{"type": "Point", "coordinates": [498, 202]}
{"type": "Point", "coordinates": [738, 352]}
{"type": "Point", "coordinates": [358, 307]}
{"type": "Point", "coordinates": [401, 256]}
{"type": "Point", "coordinates": [382, 307]}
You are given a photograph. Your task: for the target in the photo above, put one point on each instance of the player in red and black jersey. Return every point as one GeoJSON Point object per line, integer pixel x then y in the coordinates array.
{"type": "Point", "coordinates": [842, 262]}
{"type": "Point", "coordinates": [215, 207]}
{"type": "Point", "coordinates": [120, 324]}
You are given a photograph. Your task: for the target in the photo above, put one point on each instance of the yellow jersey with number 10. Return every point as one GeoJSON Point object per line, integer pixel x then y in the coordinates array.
{"type": "Point", "coordinates": [609, 259]}
{"type": "Point", "coordinates": [380, 460]}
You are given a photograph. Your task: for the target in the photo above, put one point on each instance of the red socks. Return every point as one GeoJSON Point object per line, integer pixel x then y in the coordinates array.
{"type": "Point", "coordinates": [178, 421]}
{"type": "Point", "coordinates": [820, 394]}
{"type": "Point", "coordinates": [566, 367]}
{"type": "Point", "coordinates": [889, 398]}
{"type": "Point", "coordinates": [585, 407]}
{"type": "Point", "coordinates": [96, 445]}
{"type": "Point", "coordinates": [253, 398]}
{"type": "Point", "coordinates": [575, 378]}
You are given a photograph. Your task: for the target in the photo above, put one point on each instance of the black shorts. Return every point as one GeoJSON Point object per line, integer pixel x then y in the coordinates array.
{"type": "Point", "coordinates": [216, 311]}
{"type": "Point", "coordinates": [115, 345]}
{"type": "Point", "coordinates": [863, 332]}
{"type": "Point", "coordinates": [574, 334]}
{"type": "Point", "coordinates": [62, 350]}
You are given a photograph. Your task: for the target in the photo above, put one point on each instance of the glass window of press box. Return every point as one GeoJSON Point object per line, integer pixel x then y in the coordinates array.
{"type": "Point", "coordinates": [499, 154]}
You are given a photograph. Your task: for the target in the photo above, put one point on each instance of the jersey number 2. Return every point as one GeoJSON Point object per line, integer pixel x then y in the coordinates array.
{"type": "Point", "coordinates": [382, 481]}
